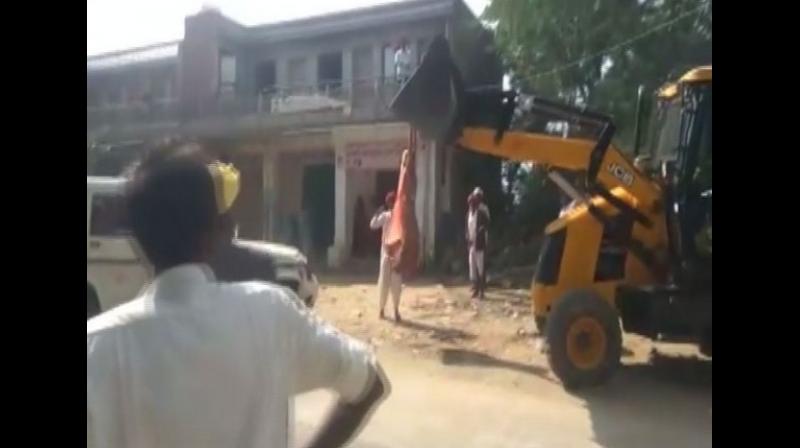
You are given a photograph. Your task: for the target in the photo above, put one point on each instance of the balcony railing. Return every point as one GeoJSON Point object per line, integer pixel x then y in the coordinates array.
{"type": "Point", "coordinates": [357, 100]}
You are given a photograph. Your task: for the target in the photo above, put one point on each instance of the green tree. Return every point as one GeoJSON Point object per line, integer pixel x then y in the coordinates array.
{"type": "Point", "coordinates": [594, 53]}
{"type": "Point", "coordinates": [597, 53]}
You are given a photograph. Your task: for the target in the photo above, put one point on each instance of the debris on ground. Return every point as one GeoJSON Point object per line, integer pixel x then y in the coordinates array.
{"type": "Point", "coordinates": [440, 315]}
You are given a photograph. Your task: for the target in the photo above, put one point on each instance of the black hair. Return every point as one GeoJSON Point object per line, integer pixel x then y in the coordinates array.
{"type": "Point", "coordinates": [172, 205]}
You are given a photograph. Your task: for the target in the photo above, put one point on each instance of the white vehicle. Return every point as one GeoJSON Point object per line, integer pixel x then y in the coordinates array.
{"type": "Point", "coordinates": [116, 269]}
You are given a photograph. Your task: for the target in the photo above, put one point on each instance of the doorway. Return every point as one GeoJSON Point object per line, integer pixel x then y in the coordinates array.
{"type": "Point", "coordinates": [265, 77]}
{"type": "Point", "coordinates": [329, 71]}
{"type": "Point", "coordinates": [318, 206]}
{"type": "Point", "coordinates": [385, 181]}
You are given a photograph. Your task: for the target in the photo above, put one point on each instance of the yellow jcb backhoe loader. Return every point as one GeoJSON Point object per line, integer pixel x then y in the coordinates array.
{"type": "Point", "coordinates": [636, 248]}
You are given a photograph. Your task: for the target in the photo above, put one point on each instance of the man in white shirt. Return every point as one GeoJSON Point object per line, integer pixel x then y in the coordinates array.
{"type": "Point", "coordinates": [192, 362]}
{"type": "Point", "coordinates": [477, 240]}
{"type": "Point", "coordinates": [388, 279]}
{"type": "Point", "coordinates": [402, 62]}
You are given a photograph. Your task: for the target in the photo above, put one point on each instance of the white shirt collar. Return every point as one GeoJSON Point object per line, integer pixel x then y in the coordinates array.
{"type": "Point", "coordinates": [179, 279]}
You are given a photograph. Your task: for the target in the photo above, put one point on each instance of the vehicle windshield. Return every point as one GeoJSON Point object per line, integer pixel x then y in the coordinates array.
{"type": "Point", "coordinates": [664, 132]}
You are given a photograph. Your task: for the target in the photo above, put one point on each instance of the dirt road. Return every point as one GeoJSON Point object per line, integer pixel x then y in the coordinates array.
{"type": "Point", "coordinates": [465, 376]}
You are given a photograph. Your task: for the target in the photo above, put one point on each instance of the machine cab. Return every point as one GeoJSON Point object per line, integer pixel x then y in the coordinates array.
{"type": "Point", "coordinates": [680, 145]}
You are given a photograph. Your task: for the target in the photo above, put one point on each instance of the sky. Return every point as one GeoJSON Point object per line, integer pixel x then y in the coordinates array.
{"type": "Point", "coordinates": [119, 24]}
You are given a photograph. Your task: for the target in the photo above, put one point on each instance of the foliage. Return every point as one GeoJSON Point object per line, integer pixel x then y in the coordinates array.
{"type": "Point", "coordinates": [593, 53]}
{"type": "Point", "coordinates": [597, 53]}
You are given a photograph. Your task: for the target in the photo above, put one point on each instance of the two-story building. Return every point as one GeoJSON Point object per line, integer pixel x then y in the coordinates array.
{"type": "Point", "coordinates": [301, 108]}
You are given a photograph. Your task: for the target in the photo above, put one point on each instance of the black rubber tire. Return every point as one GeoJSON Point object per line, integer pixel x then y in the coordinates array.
{"type": "Point", "coordinates": [92, 303]}
{"type": "Point", "coordinates": [568, 309]}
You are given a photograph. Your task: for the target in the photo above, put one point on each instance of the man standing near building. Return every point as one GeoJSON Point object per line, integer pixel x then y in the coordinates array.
{"type": "Point", "coordinates": [196, 363]}
{"type": "Point", "coordinates": [477, 239]}
{"type": "Point", "coordinates": [388, 279]}
{"type": "Point", "coordinates": [402, 62]}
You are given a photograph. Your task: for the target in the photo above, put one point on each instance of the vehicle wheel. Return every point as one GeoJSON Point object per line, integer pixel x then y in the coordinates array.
{"type": "Point", "coordinates": [92, 303]}
{"type": "Point", "coordinates": [584, 338]}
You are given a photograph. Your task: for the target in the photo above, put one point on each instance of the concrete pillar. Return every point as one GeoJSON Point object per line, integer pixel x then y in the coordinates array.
{"type": "Point", "coordinates": [433, 199]}
{"type": "Point", "coordinates": [425, 206]}
{"type": "Point", "coordinates": [447, 159]}
{"type": "Point", "coordinates": [377, 60]}
{"type": "Point", "coordinates": [337, 252]}
{"type": "Point", "coordinates": [421, 196]}
{"type": "Point", "coordinates": [312, 72]}
{"type": "Point", "coordinates": [347, 74]}
{"type": "Point", "coordinates": [282, 73]}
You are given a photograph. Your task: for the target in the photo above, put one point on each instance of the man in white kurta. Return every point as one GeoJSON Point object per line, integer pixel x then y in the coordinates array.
{"type": "Point", "coordinates": [477, 239]}
{"type": "Point", "coordinates": [195, 363]}
{"type": "Point", "coordinates": [388, 279]}
{"type": "Point", "coordinates": [402, 62]}
{"type": "Point", "coordinates": [192, 362]}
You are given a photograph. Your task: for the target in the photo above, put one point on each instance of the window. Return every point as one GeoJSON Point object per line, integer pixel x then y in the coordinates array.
{"type": "Point", "coordinates": [363, 65]}
{"type": "Point", "coordinates": [329, 69]}
{"type": "Point", "coordinates": [363, 75]}
{"type": "Point", "coordinates": [109, 218]}
{"type": "Point", "coordinates": [265, 76]}
{"type": "Point", "coordinates": [227, 71]}
{"type": "Point", "coordinates": [388, 61]}
{"type": "Point", "coordinates": [702, 173]}
{"type": "Point", "coordinates": [665, 136]}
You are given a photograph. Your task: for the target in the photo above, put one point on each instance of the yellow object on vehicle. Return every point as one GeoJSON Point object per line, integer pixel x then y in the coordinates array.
{"type": "Point", "coordinates": [226, 185]}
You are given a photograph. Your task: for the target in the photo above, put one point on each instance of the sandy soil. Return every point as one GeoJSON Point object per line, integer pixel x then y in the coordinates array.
{"type": "Point", "coordinates": [468, 375]}
{"type": "Point", "coordinates": [441, 321]}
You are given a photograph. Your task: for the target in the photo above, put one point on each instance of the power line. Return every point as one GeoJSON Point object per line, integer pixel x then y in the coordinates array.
{"type": "Point", "coordinates": [623, 44]}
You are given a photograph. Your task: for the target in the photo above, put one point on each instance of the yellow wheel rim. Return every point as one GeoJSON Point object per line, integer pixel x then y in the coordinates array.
{"type": "Point", "coordinates": [586, 343]}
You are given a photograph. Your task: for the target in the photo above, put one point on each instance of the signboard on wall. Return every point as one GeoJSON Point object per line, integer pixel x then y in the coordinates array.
{"type": "Point", "coordinates": [375, 155]}
{"type": "Point", "coordinates": [308, 157]}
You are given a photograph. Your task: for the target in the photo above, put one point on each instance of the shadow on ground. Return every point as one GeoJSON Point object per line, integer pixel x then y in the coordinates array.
{"type": "Point", "coordinates": [477, 359]}
{"type": "Point", "coordinates": [664, 403]}
{"type": "Point", "coordinates": [510, 295]}
{"type": "Point", "coordinates": [443, 334]}
{"type": "Point", "coordinates": [370, 277]}
{"type": "Point", "coordinates": [689, 371]}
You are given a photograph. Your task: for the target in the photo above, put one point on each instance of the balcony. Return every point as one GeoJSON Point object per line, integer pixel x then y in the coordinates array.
{"type": "Point", "coordinates": [322, 104]}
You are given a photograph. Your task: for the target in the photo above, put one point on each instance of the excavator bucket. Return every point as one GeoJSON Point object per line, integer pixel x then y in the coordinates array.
{"type": "Point", "coordinates": [429, 100]}
{"type": "Point", "coordinates": [436, 102]}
